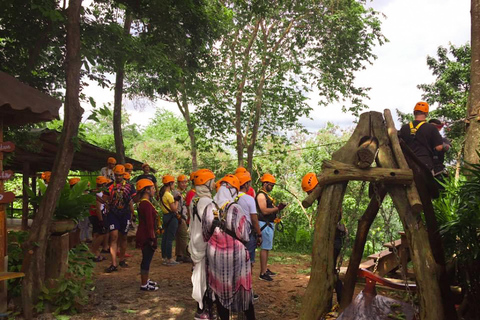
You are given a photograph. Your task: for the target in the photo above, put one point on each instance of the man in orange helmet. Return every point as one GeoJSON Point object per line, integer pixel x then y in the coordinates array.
{"type": "Point", "coordinates": [267, 212]}
{"type": "Point", "coordinates": [147, 174]}
{"type": "Point", "coordinates": [250, 191]}
{"type": "Point", "coordinates": [422, 137]}
{"type": "Point", "coordinates": [181, 238]}
{"type": "Point", "coordinates": [107, 171]}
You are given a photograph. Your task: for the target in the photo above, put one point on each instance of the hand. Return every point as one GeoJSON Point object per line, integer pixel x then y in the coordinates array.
{"type": "Point", "coordinates": [178, 198]}
{"type": "Point", "coordinates": [446, 147]}
{"type": "Point", "coordinates": [259, 240]}
{"type": "Point", "coordinates": [281, 206]}
{"type": "Point", "coordinates": [103, 229]}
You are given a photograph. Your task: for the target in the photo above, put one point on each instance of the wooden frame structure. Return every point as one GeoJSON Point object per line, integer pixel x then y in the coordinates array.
{"type": "Point", "coordinates": [375, 139]}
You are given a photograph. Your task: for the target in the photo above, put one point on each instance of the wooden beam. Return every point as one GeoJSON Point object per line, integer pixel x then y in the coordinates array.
{"type": "Point", "coordinates": [335, 172]}
{"type": "Point", "coordinates": [314, 195]}
{"type": "Point", "coordinates": [363, 228]}
{"type": "Point", "coordinates": [412, 192]}
{"type": "Point", "coordinates": [26, 174]}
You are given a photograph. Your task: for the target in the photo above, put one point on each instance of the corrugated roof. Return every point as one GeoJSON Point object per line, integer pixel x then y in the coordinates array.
{"type": "Point", "coordinates": [21, 104]}
{"type": "Point", "coordinates": [88, 158]}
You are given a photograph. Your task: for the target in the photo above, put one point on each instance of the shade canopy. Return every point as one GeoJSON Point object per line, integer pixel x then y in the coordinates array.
{"type": "Point", "coordinates": [88, 157]}
{"type": "Point", "coordinates": [21, 104]}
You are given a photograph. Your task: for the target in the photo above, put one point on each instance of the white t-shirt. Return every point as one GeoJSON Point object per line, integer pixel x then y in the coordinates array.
{"type": "Point", "coordinates": [107, 173]}
{"type": "Point", "coordinates": [247, 203]}
{"type": "Point", "coordinates": [102, 205]}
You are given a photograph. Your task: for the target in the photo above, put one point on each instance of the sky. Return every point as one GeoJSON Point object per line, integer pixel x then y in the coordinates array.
{"type": "Point", "coordinates": [414, 28]}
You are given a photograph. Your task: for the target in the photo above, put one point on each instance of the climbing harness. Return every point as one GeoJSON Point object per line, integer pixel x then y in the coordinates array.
{"type": "Point", "coordinates": [219, 221]}
{"type": "Point", "coordinates": [414, 129]}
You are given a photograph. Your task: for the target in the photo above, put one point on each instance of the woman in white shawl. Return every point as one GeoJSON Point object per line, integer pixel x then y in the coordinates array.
{"type": "Point", "coordinates": [226, 229]}
{"type": "Point", "coordinates": [203, 180]}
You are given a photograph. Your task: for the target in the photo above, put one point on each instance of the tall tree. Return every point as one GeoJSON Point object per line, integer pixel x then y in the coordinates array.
{"type": "Point", "coordinates": [450, 90]}
{"type": "Point", "coordinates": [37, 240]}
{"type": "Point", "coordinates": [472, 138]}
{"type": "Point", "coordinates": [272, 56]}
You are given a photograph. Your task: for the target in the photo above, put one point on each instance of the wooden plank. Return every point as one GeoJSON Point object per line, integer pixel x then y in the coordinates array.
{"type": "Point", "coordinates": [7, 146]}
{"type": "Point", "coordinates": [396, 244]}
{"type": "Point", "coordinates": [7, 197]}
{"type": "Point", "coordinates": [367, 264]}
{"type": "Point", "coordinates": [380, 255]}
{"type": "Point", "coordinates": [11, 275]}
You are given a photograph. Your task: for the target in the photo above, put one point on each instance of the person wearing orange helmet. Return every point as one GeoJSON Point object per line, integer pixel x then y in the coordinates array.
{"type": "Point", "coordinates": [107, 171]}
{"type": "Point", "coordinates": [250, 191]}
{"type": "Point", "coordinates": [146, 239]}
{"type": "Point", "coordinates": [120, 208]}
{"type": "Point", "coordinates": [422, 137]}
{"type": "Point", "coordinates": [128, 168]}
{"type": "Point", "coordinates": [46, 177]}
{"type": "Point", "coordinates": [267, 213]}
{"type": "Point", "coordinates": [226, 228]}
{"type": "Point", "coordinates": [147, 174]}
{"type": "Point", "coordinates": [189, 197]}
{"type": "Point", "coordinates": [181, 238]}
{"type": "Point", "coordinates": [439, 170]}
{"type": "Point", "coordinates": [204, 182]}
{"type": "Point", "coordinates": [309, 182]}
{"type": "Point", "coordinates": [98, 218]}
{"type": "Point", "coordinates": [169, 207]}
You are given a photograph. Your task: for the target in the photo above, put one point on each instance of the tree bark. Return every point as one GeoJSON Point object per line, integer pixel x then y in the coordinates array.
{"type": "Point", "coordinates": [37, 241]}
{"type": "Point", "coordinates": [472, 137]}
{"type": "Point", "coordinates": [363, 228]}
{"type": "Point", "coordinates": [182, 104]}
{"type": "Point", "coordinates": [118, 97]}
{"type": "Point", "coordinates": [320, 287]}
{"type": "Point", "coordinates": [26, 182]}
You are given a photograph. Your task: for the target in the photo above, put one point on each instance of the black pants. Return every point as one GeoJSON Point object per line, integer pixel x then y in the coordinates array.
{"type": "Point", "coordinates": [224, 313]}
{"type": "Point", "coordinates": [147, 256]}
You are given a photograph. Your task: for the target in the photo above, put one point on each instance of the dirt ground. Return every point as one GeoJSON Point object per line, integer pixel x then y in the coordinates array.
{"type": "Point", "coordinates": [117, 295]}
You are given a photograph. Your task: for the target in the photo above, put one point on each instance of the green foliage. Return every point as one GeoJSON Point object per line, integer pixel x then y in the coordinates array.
{"type": "Point", "coordinates": [450, 90]}
{"type": "Point", "coordinates": [70, 293]}
{"type": "Point", "coordinates": [15, 260]}
{"type": "Point", "coordinates": [73, 203]}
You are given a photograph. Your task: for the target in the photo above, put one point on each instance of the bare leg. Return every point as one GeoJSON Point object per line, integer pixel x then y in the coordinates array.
{"type": "Point", "coordinates": [144, 278]}
{"type": "Point", "coordinates": [122, 241]}
{"type": "Point", "coordinates": [263, 261]}
{"type": "Point", "coordinates": [106, 241]}
{"type": "Point", "coordinates": [97, 241]}
{"type": "Point", "coordinates": [113, 247]}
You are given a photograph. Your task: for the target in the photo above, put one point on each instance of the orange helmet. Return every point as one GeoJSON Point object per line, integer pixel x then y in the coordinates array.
{"type": "Point", "coordinates": [102, 180]}
{"type": "Point", "coordinates": [143, 183]}
{"type": "Point", "coordinates": [111, 160]}
{"type": "Point", "coordinates": [182, 177]}
{"type": "Point", "coordinates": [167, 179]}
{"type": "Point", "coordinates": [202, 176]}
{"type": "Point", "coordinates": [46, 176]}
{"type": "Point", "coordinates": [127, 176]}
{"type": "Point", "coordinates": [421, 106]}
{"type": "Point", "coordinates": [243, 177]}
{"type": "Point", "coordinates": [241, 170]}
{"type": "Point", "coordinates": [267, 177]}
{"type": "Point", "coordinates": [73, 181]}
{"type": "Point", "coordinates": [218, 183]}
{"type": "Point", "coordinates": [119, 169]}
{"type": "Point", "coordinates": [309, 181]}
{"type": "Point", "coordinates": [128, 166]}
{"type": "Point", "coordinates": [192, 176]}
{"type": "Point", "coordinates": [232, 180]}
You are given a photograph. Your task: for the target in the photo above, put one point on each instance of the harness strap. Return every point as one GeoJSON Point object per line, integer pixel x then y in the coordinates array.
{"type": "Point", "coordinates": [413, 130]}
{"type": "Point", "coordinates": [219, 222]}
{"type": "Point", "coordinates": [267, 224]}
{"type": "Point", "coordinates": [195, 209]}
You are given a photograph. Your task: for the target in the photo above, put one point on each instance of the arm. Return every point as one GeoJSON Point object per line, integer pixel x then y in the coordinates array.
{"type": "Point", "coordinates": [255, 224]}
{"type": "Point", "coordinates": [98, 208]}
{"type": "Point", "coordinates": [262, 204]}
{"type": "Point", "coordinates": [132, 209]}
{"type": "Point", "coordinates": [150, 221]}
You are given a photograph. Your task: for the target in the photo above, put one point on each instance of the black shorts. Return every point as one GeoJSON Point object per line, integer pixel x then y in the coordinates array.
{"type": "Point", "coordinates": [96, 227]}
{"type": "Point", "coordinates": [118, 221]}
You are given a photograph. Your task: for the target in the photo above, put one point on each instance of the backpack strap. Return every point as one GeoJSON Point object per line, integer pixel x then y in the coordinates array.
{"type": "Point", "coordinates": [220, 222]}
{"type": "Point", "coordinates": [414, 129]}
{"type": "Point", "coordinates": [195, 209]}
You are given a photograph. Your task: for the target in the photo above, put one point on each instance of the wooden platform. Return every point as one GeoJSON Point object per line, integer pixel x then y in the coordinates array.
{"type": "Point", "coordinates": [11, 275]}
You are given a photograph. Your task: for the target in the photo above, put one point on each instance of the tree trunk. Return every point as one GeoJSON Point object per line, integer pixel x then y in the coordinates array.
{"type": "Point", "coordinates": [472, 137]}
{"type": "Point", "coordinates": [183, 107]}
{"type": "Point", "coordinates": [363, 228]}
{"type": "Point", "coordinates": [118, 97]}
{"type": "Point", "coordinates": [320, 287]}
{"type": "Point", "coordinates": [37, 241]}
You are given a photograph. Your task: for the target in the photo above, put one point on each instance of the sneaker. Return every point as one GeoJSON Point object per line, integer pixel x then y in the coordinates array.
{"type": "Point", "coordinates": [123, 264]}
{"type": "Point", "coordinates": [99, 259]}
{"type": "Point", "coordinates": [179, 259]}
{"type": "Point", "coordinates": [202, 316]}
{"type": "Point", "coordinates": [255, 297]}
{"type": "Point", "coordinates": [152, 283]}
{"type": "Point", "coordinates": [270, 273]}
{"type": "Point", "coordinates": [148, 287]}
{"type": "Point", "coordinates": [111, 269]}
{"type": "Point", "coordinates": [187, 260]}
{"type": "Point", "coordinates": [265, 277]}
{"type": "Point", "coordinates": [172, 263]}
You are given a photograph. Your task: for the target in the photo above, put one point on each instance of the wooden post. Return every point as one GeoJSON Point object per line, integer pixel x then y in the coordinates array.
{"type": "Point", "coordinates": [34, 188]}
{"type": "Point", "coordinates": [426, 269]}
{"type": "Point", "coordinates": [56, 263]}
{"type": "Point", "coordinates": [367, 152]}
{"type": "Point", "coordinates": [3, 236]}
{"type": "Point", "coordinates": [26, 174]}
{"type": "Point", "coordinates": [412, 192]}
{"type": "Point", "coordinates": [320, 287]}
{"type": "Point", "coordinates": [364, 225]}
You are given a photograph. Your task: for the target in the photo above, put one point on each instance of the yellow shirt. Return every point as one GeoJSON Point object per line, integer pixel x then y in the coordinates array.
{"type": "Point", "coordinates": [167, 199]}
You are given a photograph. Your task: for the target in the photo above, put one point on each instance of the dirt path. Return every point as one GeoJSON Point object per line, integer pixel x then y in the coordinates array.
{"type": "Point", "coordinates": [118, 296]}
